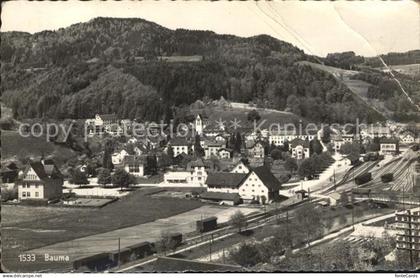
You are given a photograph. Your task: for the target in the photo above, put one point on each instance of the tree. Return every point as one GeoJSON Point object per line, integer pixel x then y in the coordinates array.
{"type": "Point", "coordinates": [246, 255]}
{"type": "Point", "coordinates": [107, 159]}
{"type": "Point", "coordinates": [104, 176]}
{"type": "Point", "coordinates": [151, 164]}
{"type": "Point", "coordinates": [238, 142]}
{"type": "Point", "coordinates": [170, 153]}
{"type": "Point", "coordinates": [166, 242]}
{"type": "Point", "coordinates": [290, 165]}
{"type": "Point", "coordinates": [198, 150]}
{"type": "Point", "coordinates": [238, 220]}
{"type": "Point", "coordinates": [120, 178]}
{"type": "Point", "coordinates": [306, 169]}
{"type": "Point", "coordinates": [286, 146]}
{"type": "Point", "coordinates": [316, 147]}
{"type": "Point", "coordinates": [78, 177]}
{"type": "Point", "coordinates": [253, 115]}
{"type": "Point", "coordinates": [276, 154]}
{"type": "Point", "coordinates": [344, 198]}
{"type": "Point", "coordinates": [352, 150]}
{"type": "Point", "coordinates": [308, 222]}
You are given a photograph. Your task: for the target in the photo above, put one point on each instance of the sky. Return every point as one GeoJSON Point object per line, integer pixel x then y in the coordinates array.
{"type": "Point", "coordinates": [368, 28]}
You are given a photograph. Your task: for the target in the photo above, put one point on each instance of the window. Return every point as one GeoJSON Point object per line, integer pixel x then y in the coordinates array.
{"type": "Point", "coordinates": [36, 185]}
{"type": "Point", "coordinates": [28, 194]}
{"type": "Point", "coordinates": [36, 194]}
{"type": "Point", "coordinates": [23, 194]}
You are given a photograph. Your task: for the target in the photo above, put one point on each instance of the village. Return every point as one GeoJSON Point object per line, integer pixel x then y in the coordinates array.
{"type": "Point", "coordinates": [213, 173]}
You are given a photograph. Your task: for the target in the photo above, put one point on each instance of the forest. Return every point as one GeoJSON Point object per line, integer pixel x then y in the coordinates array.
{"type": "Point", "coordinates": [94, 67]}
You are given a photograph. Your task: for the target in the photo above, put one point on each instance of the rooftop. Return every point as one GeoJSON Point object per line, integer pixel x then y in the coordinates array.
{"type": "Point", "coordinates": [225, 179]}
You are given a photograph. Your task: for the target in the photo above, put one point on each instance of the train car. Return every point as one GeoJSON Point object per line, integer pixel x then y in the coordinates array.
{"type": "Point", "coordinates": [97, 262]}
{"type": "Point", "coordinates": [207, 224]}
{"type": "Point", "coordinates": [363, 178]}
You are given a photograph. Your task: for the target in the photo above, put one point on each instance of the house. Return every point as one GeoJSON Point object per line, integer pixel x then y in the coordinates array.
{"type": "Point", "coordinates": [240, 168]}
{"type": "Point", "coordinates": [260, 185]}
{"type": "Point", "coordinates": [134, 165]}
{"type": "Point", "coordinates": [118, 157]}
{"type": "Point", "coordinates": [41, 181]}
{"type": "Point", "coordinates": [180, 145]}
{"type": "Point", "coordinates": [211, 149]}
{"type": "Point", "coordinates": [257, 150]}
{"type": "Point", "coordinates": [338, 140]}
{"type": "Point", "coordinates": [407, 137]}
{"type": "Point", "coordinates": [375, 131]}
{"type": "Point", "coordinates": [195, 174]}
{"type": "Point", "coordinates": [388, 145]}
{"type": "Point", "coordinates": [199, 170]}
{"type": "Point", "coordinates": [101, 123]}
{"type": "Point", "coordinates": [225, 153]}
{"type": "Point", "coordinates": [299, 148]}
{"type": "Point", "coordinates": [278, 138]}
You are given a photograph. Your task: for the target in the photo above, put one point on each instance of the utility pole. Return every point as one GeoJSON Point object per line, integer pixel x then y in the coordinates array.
{"type": "Point", "coordinates": [119, 252]}
{"type": "Point", "coordinates": [411, 238]}
{"type": "Point", "coordinates": [211, 242]}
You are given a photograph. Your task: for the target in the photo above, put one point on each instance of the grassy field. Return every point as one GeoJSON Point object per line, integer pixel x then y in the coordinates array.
{"type": "Point", "coordinates": [27, 227]}
{"type": "Point", "coordinates": [411, 69]}
{"type": "Point", "coordinates": [14, 145]}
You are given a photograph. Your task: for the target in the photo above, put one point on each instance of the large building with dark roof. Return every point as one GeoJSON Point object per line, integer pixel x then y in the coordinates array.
{"type": "Point", "coordinates": [259, 184]}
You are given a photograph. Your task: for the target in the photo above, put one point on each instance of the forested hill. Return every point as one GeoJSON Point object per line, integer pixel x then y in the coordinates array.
{"type": "Point", "coordinates": [139, 69]}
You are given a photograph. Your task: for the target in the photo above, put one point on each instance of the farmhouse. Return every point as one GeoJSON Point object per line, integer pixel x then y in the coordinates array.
{"type": "Point", "coordinates": [259, 184]}
{"type": "Point", "coordinates": [299, 148]}
{"type": "Point", "coordinates": [388, 145]}
{"type": "Point", "coordinates": [41, 181]}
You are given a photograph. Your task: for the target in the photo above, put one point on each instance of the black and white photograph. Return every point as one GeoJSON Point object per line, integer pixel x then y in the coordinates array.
{"type": "Point", "coordinates": [212, 137]}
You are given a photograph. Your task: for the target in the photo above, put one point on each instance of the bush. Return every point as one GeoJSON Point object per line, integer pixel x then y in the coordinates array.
{"type": "Point", "coordinates": [247, 255]}
{"type": "Point", "coordinates": [388, 177]}
{"type": "Point", "coordinates": [9, 194]}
